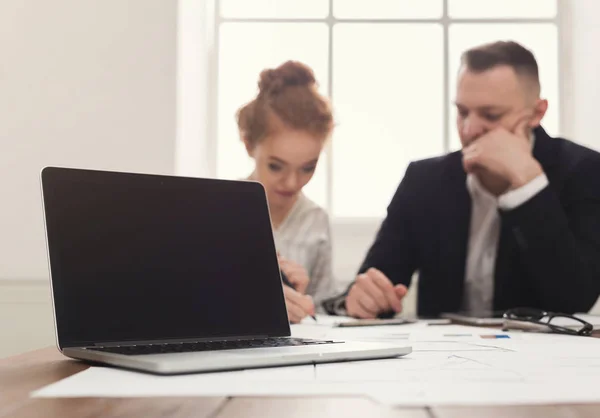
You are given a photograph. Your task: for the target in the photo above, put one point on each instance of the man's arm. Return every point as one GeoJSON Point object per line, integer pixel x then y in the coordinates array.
{"type": "Point", "coordinates": [561, 245]}
{"type": "Point", "coordinates": [393, 251]}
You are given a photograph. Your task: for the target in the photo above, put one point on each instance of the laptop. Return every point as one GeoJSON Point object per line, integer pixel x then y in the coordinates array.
{"type": "Point", "coordinates": [169, 275]}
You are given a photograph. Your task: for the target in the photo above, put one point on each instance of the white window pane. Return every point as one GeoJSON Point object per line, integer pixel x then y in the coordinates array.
{"type": "Point", "coordinates": [245, 50]}
{"type": "Point", "coordinates": [541, 39]}
{"type": "Point", "coordinates": [387, 94]}
{"type": "Point", "coordinates": [387, 9]}
{"type": "Point", "coordinates": [502, 9]}
{"type": "Point", "coordinates": [280, 9]}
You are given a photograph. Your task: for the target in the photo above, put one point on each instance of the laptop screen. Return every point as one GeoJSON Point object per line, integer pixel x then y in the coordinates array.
{"type": "Point", "coordinates": [137, 257]}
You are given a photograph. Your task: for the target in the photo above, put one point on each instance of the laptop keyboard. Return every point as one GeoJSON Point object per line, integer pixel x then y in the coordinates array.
{"type": "Point", "coordinates": [136, 350]}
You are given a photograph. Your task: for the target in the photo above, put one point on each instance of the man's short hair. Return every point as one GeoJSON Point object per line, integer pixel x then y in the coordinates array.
{"type": "Point", "coordinates": [520, 59]}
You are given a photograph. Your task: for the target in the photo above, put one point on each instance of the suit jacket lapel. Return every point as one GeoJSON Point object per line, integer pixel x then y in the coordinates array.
{"type": "Point", "coordinates": [544, 150]}
{"type": "Point", "coordinates": [507, 281]}
{"type": "Point", "coordinates": [457, 215]}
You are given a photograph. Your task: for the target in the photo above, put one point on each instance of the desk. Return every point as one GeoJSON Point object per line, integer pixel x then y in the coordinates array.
{"type": "Point", "coordinates": [21, 374]}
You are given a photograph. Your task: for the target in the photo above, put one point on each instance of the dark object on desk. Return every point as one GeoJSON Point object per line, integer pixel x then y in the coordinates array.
{"type": "Point", "coordinates": [430, 320]}
{"type": "Point", "coordinates": [528, 319]}
{"type": "Point", "coordinates": [386, 315]}
{"type": "Point", "coordinates": [480, 320]}
{"type": "Point", "coordinates": [143, 264]}
{"type": "Point", "coordinates": [287, 282]}
{"type": "Point", "coordinates": [376, 322]}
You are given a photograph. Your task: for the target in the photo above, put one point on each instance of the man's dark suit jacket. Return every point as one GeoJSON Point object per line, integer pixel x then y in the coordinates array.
{"type": "Point", "coordinates": [549, 248]}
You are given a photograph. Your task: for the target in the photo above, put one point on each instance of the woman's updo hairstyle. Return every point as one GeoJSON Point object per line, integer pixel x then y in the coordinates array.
{"type": "Point", "coordinates": [286, 95]}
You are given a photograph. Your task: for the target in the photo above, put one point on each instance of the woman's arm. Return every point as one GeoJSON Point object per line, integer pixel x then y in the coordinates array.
{"type": "Point", "coordinates": [321, 272]}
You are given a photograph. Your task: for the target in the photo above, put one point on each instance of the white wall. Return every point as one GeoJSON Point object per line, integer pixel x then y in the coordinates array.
{"type": "Point", "coordinates": [83, 83]}
{"type": "Point", "coordinates": [194, 48]}
{"type": "Point", "coordinates": [583, 66]}
{"type": "Point", "coordinates": [26, 320]}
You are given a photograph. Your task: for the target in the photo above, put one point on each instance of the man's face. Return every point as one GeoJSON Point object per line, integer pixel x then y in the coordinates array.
{"type": "Point", "coordinates": [492, 99]}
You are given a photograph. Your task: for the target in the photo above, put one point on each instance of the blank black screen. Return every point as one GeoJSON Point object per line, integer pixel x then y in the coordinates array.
{"type": "Point", "coordinates": [137, 257]}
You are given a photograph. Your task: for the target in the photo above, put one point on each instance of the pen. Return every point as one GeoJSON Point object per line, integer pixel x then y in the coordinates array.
{"type": "Point", "coordinates": [286, 282]}
{"type": "Point", "coordinates": [495, 336]}
{"type": "Point", "coordinates": [488, 336]}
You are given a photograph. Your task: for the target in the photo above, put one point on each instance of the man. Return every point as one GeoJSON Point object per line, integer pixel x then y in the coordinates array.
{"type": "Point", "coordinates": [512, 220]}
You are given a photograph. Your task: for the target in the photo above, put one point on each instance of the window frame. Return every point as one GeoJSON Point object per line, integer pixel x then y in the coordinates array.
{"type": "Point", "coordinates": [560, 20]}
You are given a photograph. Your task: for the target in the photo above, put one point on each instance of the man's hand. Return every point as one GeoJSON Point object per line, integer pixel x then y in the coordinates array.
{"type": "Point", "coordinates": [372, 294]}
{"type": "Point", "coordinates": [298, 305]}
{"type": "Point", "coordinates": [504, 154]}
{"type": "Point", "coordinates": [295, 273]}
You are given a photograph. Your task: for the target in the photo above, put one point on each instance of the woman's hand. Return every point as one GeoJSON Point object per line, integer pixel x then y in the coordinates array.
{"type": "Point", "coordinates": [295, 273]}
{"type": "Point", "coordinates": [298, 304]}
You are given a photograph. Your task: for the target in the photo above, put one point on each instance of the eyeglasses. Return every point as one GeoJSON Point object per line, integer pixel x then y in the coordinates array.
{"type": "Point", "coordinates": [539, 320]}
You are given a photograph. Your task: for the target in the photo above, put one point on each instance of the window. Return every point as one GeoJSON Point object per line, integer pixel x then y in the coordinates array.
{"type": "Point", "coordinates": [389, 67]}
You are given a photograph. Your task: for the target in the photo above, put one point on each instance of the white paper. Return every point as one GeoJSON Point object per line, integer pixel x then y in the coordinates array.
{"type": "Point", "coordinates": [501, 393]}
{"type": "Point", "coordinates": [108, 382]}
{"type": "Point", "coordinates": [555, 373]}
{"type": "Point", "coordinates": [433, 378]}
{"type": "Point", "coordinates": [449, 346]}
{"type": "Point", "coordinates": [386, 333]}
{"type": "Point", "coordinates": [420, 336]}
{"type": "Point", "coordinates": [326, 320]}
{"type": "Point", "coordinates": [450, 365]}
{"type": "Point", "coordinates": [414, 369]}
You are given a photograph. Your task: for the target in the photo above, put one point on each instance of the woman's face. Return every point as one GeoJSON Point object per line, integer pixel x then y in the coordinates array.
{"type": "Point", "coordinates": [285, 163]}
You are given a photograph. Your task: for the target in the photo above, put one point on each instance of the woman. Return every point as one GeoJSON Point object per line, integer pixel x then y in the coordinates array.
{"type": "Point", "coordinates": [284, 130]}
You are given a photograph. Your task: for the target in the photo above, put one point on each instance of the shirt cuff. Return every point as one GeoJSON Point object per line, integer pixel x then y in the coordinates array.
{"type": "Point", "coordinates": [517, 197]}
